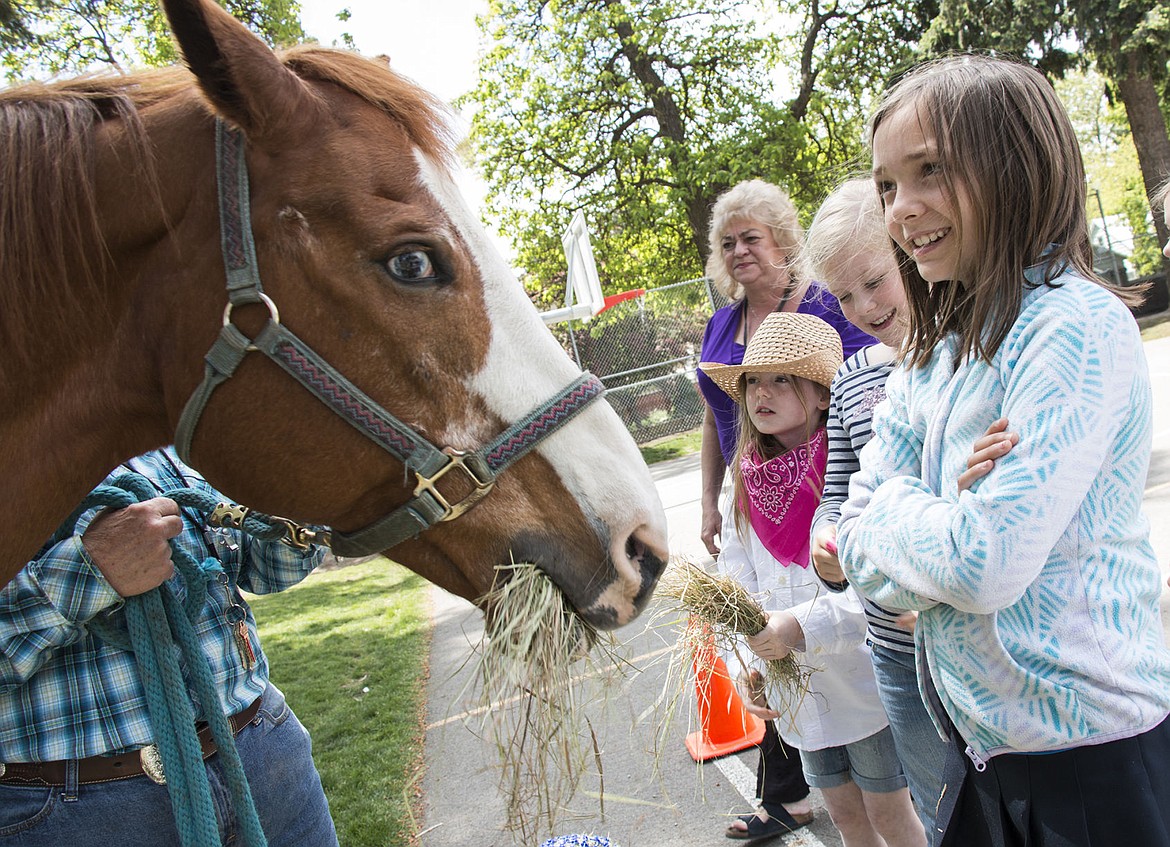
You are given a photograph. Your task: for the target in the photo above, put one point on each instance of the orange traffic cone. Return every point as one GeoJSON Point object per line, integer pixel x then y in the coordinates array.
{"type": "Point", "coordinates": [725, 726]}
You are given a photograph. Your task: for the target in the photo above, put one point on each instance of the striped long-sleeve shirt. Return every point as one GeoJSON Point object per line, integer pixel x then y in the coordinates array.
{"type": "Point", "coordinates": [858, 387]}
{"type": "Point", "coordinates": [64, 693]}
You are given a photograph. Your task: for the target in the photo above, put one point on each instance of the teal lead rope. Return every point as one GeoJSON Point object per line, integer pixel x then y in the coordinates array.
{"type": "Point", "coordinates": [160, 632]}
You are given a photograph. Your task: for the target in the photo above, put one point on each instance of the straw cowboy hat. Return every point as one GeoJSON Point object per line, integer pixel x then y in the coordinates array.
{"type": "Point", "coordinates": [786, 343]}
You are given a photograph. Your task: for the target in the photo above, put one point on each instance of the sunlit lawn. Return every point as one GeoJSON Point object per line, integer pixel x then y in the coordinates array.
{"type": "Point", "coordinates": [672, 447]}
{"type": "Point", "coordinates": [1161, 329]}
{"type": "Point", "coordinates": [349, 649]}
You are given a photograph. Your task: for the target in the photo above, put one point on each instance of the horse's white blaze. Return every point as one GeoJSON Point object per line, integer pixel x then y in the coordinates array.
{"type": "Point", "coordinates": [595, 457]}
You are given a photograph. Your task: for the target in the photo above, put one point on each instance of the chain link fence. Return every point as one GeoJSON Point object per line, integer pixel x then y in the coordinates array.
{"type": "Point", "coordinates": [645, 349]}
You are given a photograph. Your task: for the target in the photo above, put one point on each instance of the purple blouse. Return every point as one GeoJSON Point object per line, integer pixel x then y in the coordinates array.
{"type": "Point", "coordinates": [722, 344]}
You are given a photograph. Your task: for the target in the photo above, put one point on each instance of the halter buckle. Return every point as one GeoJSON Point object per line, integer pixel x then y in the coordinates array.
{"type": "Point", "coordinates": [300, 536]}
{"type": "Point", "coordinates": [481, 477]}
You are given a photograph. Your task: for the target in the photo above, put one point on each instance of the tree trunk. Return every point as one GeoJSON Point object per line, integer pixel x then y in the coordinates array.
{"type": "Point", "coordinates": [1149, 133]}
{"type": "Point", "coordinates": [671, 126]}
{"type": "Point", "coordinates": [699, 204]}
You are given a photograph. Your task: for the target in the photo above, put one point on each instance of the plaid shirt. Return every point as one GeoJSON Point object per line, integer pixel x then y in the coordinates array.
{"type": "Point", "coordinates": [64, 693]}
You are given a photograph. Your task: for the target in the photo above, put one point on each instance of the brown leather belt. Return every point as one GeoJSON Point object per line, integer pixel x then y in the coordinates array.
{"type": "Point", "coordinates": [109, 768]}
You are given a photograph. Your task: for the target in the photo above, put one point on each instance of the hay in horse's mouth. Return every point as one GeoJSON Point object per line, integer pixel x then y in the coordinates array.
{"type": "Point", "coordinates": [530, 624]}
{"type": "Point", "coordinates": [532, 701]}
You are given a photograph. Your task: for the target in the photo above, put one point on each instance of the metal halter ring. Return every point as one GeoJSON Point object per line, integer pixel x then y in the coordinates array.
{"type": "Point", "coordinates": [273, 312]}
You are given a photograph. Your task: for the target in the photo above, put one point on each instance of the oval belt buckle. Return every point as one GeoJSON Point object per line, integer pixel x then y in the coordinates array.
{"type": "Point", "coordinates": [152, 764]}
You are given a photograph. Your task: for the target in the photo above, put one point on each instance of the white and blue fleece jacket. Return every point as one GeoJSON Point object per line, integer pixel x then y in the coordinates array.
{"type": "Point", "coordinates": [1038, 588]}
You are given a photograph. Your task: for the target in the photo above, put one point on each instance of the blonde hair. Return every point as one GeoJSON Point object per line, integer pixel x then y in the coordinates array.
{"type": "Point", "coordinates": [1162, 195]}
{"type": "Point", "coordinates": [758, 201]}
{"type": "Point", "coordinates": [766, 446]}
{"type": "Point", "coordinates": [849, 222]}
{"type": "Point", "coordinates": [1004, 137]}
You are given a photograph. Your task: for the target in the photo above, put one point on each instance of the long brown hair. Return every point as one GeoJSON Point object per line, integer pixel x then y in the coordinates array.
{"type": "Point", "coordinates": [766, 446]}
{"type": "Point", "coordinates": [1004, 138]}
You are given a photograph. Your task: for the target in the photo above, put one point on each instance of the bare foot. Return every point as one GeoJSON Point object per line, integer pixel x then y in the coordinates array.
{"type": "Point", "coordinates": [798, 809]}
{"type": "Point", "coordinates": [740, 825]}
{"type": "Point", "coordinates": [749, 826]}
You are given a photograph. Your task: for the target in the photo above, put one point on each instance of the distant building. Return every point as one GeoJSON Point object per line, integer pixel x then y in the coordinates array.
{"type": "Point", "coordinates": [1112, 241]}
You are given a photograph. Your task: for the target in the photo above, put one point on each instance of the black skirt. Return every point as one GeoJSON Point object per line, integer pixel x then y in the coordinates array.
{"type": "Point", "coordinates": [1101, 795]}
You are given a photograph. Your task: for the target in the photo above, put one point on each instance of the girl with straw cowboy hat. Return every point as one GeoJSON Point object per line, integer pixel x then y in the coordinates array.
{"type": "Point", "coordinates": [754, 238]}
{"type": "Point", "coordinates": [838, 724]}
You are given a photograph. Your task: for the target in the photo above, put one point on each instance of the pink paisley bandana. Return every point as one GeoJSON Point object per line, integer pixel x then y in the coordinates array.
{"type": "Point", "coordinates": [782, 495]}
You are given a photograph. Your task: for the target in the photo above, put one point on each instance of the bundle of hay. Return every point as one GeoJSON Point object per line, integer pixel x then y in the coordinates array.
{"type": "Point", "coordinates": [533, 703]}
{"type": "Point", "coordinates": [720, 609]}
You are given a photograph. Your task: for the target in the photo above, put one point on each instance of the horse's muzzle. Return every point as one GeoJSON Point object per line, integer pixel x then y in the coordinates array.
{"type": "Point", "coordinates": [606, 594]}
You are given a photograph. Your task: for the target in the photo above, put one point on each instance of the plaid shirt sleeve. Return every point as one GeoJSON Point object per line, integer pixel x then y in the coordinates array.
{"type": "Point", "coordinates": [271, 566]}
{"type": "Point", "coordinates": [259, 567]}
{"type": "Point", "coordinates": [47, 606]}
{"type": "Point", "coordinates": [67, 694]}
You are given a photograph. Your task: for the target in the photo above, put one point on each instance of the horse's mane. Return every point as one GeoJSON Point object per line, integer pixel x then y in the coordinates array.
{"type": "Point", "coordinates": [51, 249]}
{"type": "Point", "coordinates": [423, 116]}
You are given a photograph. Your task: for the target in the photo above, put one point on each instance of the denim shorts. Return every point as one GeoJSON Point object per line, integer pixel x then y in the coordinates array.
{"type": "Point", "coordinates": [922, 752]}
{"type": "Point", "coordinates": [871, 763]}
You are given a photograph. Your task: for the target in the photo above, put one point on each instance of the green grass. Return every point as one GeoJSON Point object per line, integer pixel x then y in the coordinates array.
{"type": "Point", "coordinates": [672, 446]}
{"type": "Point", "coordinates": [349, 649]}
{"type": "Point", "coordinates": [1157, 330]}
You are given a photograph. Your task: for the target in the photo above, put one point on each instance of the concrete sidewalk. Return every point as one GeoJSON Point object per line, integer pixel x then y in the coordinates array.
{"type": "Point", "coordinates": [679, 803]}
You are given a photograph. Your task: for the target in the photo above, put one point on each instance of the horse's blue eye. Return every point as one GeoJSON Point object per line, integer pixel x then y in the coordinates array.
{"type": "Point", "coordinates": [412, 266]}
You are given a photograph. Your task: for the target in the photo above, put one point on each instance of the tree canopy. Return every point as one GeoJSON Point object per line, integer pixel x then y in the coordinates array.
{"type": "Point", "coordinates": [41, 38]}
{"type": "Point", "coordinates": [641, 112]}
{"type": "Point", "coordinates": [1128, 41]}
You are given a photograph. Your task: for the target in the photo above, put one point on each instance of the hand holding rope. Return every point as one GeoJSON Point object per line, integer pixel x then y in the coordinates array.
{"type": "Point", "coordinates": [158, 628]}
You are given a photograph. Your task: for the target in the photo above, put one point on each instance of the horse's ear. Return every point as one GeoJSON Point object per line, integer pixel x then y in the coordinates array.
{"type": "Point", "coordinates": [237, 71]}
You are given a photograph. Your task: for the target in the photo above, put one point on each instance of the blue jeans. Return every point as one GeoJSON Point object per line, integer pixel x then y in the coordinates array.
{"type": "Point", "coordinates": [921, 751]}
{"type": "Point", "coordinates": [275, 750]}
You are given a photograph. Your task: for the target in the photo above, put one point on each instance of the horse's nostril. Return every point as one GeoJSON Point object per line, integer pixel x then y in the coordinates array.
{"type": "Point", "coordinates": [643, 556]}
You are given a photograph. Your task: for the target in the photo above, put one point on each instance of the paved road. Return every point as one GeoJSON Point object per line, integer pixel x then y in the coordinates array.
{"type": "Point", "coordinates": [677, 802]}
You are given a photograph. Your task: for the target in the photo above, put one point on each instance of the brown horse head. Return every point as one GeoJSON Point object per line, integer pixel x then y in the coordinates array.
{"type": "Point", "coordinates": [366, 249]}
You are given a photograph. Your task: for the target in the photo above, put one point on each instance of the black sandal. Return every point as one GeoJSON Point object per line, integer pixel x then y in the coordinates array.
{"type": "Point", "coordinates": [777, 824]}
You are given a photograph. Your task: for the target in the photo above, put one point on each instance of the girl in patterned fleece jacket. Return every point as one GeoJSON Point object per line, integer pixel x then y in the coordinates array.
{"type": "Point", "coordinates": [1039, 638]}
